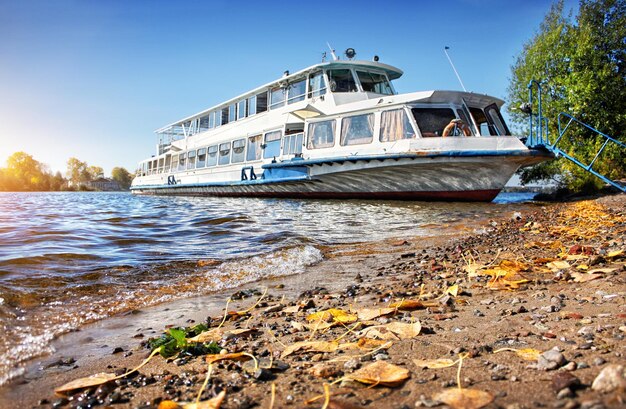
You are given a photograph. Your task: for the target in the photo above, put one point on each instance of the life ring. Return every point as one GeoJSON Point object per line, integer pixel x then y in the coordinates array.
{"type": "Point", "coordinates": [455, 124]}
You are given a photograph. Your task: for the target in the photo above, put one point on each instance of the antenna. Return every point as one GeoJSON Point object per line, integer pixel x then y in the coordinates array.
{"type": "Point", "coordinates": [332, 51]}
{"type": "Point", "coordinates": [445, 50]}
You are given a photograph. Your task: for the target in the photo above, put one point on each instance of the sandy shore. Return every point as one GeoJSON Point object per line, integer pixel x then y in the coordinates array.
{"type": "Point", "coordinates": [548, 282]}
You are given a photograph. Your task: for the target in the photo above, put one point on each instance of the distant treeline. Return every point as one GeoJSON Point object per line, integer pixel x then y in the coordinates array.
{"type": "Point", "coordinates": [25, 174]}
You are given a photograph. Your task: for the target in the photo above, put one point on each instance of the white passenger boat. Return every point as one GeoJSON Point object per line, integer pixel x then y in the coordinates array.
{"type": "Point", "coordinates": [339, 129]}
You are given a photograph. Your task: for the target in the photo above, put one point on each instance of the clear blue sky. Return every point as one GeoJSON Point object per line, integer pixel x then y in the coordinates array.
{"type": "Point", "coordinates": [94, 78]}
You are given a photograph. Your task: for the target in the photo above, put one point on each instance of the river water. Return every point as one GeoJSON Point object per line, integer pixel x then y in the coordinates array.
{"type": "Point", "coordinates": [68, 259]}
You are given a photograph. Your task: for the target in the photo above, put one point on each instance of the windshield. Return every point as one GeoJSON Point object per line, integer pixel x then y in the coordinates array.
{"type": "Point", "coordinates": [374, 82]}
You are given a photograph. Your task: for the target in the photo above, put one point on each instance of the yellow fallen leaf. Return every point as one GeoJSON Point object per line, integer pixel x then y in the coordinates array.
{"type": "Point", "coordinates": [602, 270]}
{"type": "Point", "coordinates": [373, 332]}
{"type": "Point", "coordinates": [213, 403]}
{"type": "Point", "coordinates": [464, 398]}
{"type": "Point", "coordinates": [291, 310]}
{"type": "Point", "coordinates": [93, 380]}
{"type": "Point", "coordinates": [369, 343]}
{"type": "Point", "coordinates": [615, 254]}
{"type": "Point", "coordinates": [583, 267]}
{"type": "Point", "coordinates": [380, 373]}
{"type": "Point", "coordinates": [453, 290]}
{"type": "Point", "coordinates": [214, 334]}
{"type": "Point", "coordinates": [558, 265]}
{"type": "Point", "coordinates": [393, 330]}
{"type": "Point", "coordinates": [310, 346]}
{"type": "Point", "coordinates": [168, 404]}
{"type": "Point", "coordinates": [472, 269]}
{"type": "Point", "coordinates": [234, 356]}
{"type": "Point", "coordinates": [575, 257]}
{"type": "Point", "coordinates": [332, 314]}
{"type": "Point", "coordinates": [527, 354]}
{"type": "Point", "coordinates": [366, 314]}
{"type": "Point", "coordinates": [410, 305]}
{"type": "Point", "coordinates": [434, 363]}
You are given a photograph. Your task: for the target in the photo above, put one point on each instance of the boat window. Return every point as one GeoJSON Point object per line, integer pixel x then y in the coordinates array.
{"type": "Point", "coordinates": [395, 125]}
{"type": "Point", "coordinates": [374, 82]}
{"type": "Point", "coordinates": [272, 144]}
{"type": "Point", "coordinates": [462, 114]}
{"type": "Point", "coordinates": [160, 168]}
{"type": "Point", "coordinates": [191, 160]}
{"type": "Point", "coordinates": [485, 126]}
{"type": "Point", "coordinates": [224, 156]}
{"type": "Point", "coordinates": [252, 105]}
{"type": "Point", "coordinates": [224, 116]}
{"type": "Point", "coordinates": [168, 161]}
{"type": "Point", "coordinates": [296, 92]}
{"type": "Point", "coordinates": [357, 130]}
{"type": "Point", "coordinates": [277, 97]}
{"type": "Point", "coordinates": [204, 123]}
{"type": "Point", "coordinates": [201, 158]}
{"type": "Point", "coordinates": [241, 109]}
{"type": "Point", "coordinates": [261, 102]}
{"type": "Point", "coordinates": [239, 150]}
{"type": "Point", "coordinates": [493, 113]}
{"type": "Point", "coordinates": [317, 85]}
{"type": "Point", "coordinates": [292, 144]}
{"type": "Point", "coordinates": [212, 120]}
{"type": "Point", "coordinates": [254, 148]}
{"type": "Point", "coordinates": [174, 163]}
{"type": "Point", "coordinates": [181, 161]}
{"type": "Point", "coordinates": [321, 134]}
{"type": "Point", "coordinates": [341, 81]}
{"type": "Point", "coordinates": [211, 156]}
{"type": "Point", "coordinates": [232, 112]}
{"type": "Point", "coordinates": [432, 121]}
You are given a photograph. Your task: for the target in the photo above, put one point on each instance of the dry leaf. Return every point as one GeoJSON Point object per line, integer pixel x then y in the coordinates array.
{"type": "Point", "coordinates": [434, 363]}
{"type": "Point", "coordinates": [366, 314]}
{"type": "Point", "coordinates": [168, 404]}
{"type": "Point", "coordinates": [380, 373]}
{"type": "Point", "coordinates": [213, 403]}
{"type": "Point", "coordinates": [369, 343]}
{"type": "Point", "coordinates": [453, 290]}
{"type": "Point", "coordinates": [558, 265]}
{"type": "Point", "coordinates": [310, 346]}
{"type": "Point", "coordinates": [332, 315]}
{"type": "Point", "coordinates": [235, 356]}
{"type": "Point", "coordinates": [527, 354]}
{"type": "Point", "coordinates": [373, 332]}
{"type": "Point", "coordinates": [615, 254]}
{"type": "Point", "coordinates": [93, 380]}
{"type": "Point", "coordinates": [291, 310]}
{"type": "Point", "coordinates": [410, 305]}
{"type": "Point", "coordinates": [464, 398]}
{"type": "Point", "coordinates": [394, 330]}
{"type": "Point", "coordinates": [602, 270]}
{"type": "Point", "coordinates": [584, 277]}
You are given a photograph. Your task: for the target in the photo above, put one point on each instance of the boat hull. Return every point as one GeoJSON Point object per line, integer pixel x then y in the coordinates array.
{"type": "Point", "coordinates": [413, 177]}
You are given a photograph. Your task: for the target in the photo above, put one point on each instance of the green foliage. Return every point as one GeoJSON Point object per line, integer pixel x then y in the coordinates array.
{"type": "Point", "coordinates": [174, 342]}
{"type": "Point", "coordinates": [24, 173]}
{"type": "Point", "coordinates": [582, 63]}
{"type": "Point", "coordinates": [122, 176]}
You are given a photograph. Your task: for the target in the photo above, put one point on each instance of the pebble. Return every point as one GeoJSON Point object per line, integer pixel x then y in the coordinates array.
{"type": "Point", "coordinates": [599, 361]}
{"type": "Point", "coordinates": [563, 380]}
{"type": "Point", "coordinates": [612, 377]}
{"type": "Point", "coordinates": [352, 364]}
{"type": "Point", "coordinates": [582, 365]}
{"type": "Point", "coordinates": [551, 359]}
{"type": "Point", "coordinates": [570, 366]}
{"type": "Point", "coordinates": [565, 393]}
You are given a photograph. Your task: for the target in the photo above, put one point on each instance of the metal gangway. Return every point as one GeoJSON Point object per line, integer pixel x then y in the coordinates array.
{"type": "Point", "coordinates": [539, 135]}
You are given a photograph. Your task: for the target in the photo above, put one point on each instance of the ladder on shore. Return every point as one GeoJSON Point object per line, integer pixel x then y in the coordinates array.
{"type": "Point", "coordinates": [539, 135]}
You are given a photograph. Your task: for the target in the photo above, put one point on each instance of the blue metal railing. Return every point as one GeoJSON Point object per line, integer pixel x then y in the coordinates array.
{"type": "Point", "coordinates": [539, 135]}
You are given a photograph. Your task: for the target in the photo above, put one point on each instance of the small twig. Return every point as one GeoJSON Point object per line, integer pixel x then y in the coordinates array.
{"type": "Point", "coordinates": [225, 314]}
{"type": "Point", "coordinates": [206, 381]}
{"type": "Point", "coordinates": [273, 398]}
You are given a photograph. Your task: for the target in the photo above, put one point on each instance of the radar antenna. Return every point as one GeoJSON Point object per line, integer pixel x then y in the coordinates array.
{"type": "Point", "coordinates": [445, 50]}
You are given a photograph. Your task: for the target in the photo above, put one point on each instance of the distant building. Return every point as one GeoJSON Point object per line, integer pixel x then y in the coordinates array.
{"type": "Point", "coordinates": [104, 184]}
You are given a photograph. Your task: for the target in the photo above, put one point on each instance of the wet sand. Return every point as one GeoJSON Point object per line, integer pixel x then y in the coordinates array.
{"type": "Point", "coordinates": [584, 320]}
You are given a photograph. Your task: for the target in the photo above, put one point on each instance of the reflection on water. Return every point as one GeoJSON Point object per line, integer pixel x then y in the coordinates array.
{"type": "Point", "coordinates": [71, 258]}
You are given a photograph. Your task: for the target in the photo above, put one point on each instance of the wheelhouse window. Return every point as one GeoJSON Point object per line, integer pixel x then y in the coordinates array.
{"type": "Point", "coordinates": [212, 120]}
{"type": "Point", "coordinates": [395, 125]}
{"type": "Point", "coordinates": [341, 81]}
{"type": "Point", "coordinates": [252, 105]}
{"type": "Point", "coordinates": [272, 144]}
{"type": "Point", "coordinates": [492, 112]}
{"type": "Point", "coordinates": [241, 109]}
{"type": "Point", "coordinates": [181, 161]}
{"type": "Point", "coordinates": [224, 116]}
{"type": "Point", "coordinates": [191, 160]}
{"type": "Point", "coordinates": [211, 156]}
{"type": "Point", "coordinates": [374, 82]}
{"type": "Point", "coordinates": [254, 148]}
{"type": "Point", "coordinates": [292, 144]}
{"type": "Point", "coordinates": [201, 158]}
{"type": "Point", "coordinates": [357, 130]}
{"type": "Point", "coordinates": [204, 123]}
{"type": "Point", "coordinates": [232, 112]}
{"type": "Point", "coordinates": [321, 134]}
{"type": "Point", "coordinates": [239, 150]}
{"type": "Point", "coordinates": [261, 102]}
{"type": "Point", "coordinates": [317, 85]}
{"type": "Point", "coordinates": [277, 97]}
{"type": "Point", "coordinates": [296, 92]}
{"type": "Point", "coordinates": [432, 121]}
{"type": "Point", "coordinates": [224, 156]}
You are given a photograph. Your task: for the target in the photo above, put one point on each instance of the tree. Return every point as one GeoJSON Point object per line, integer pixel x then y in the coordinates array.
{"type": "Point", "coordinates": [582, 63]}
{"type": "Point", "coordinates": [26, 173]}
{"type": "Point", "coordinates": [95, 172]}
{"type": "Point", "coordinates": [77, 172]}
{"type": "Point", "coordinates": [122, 176]}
